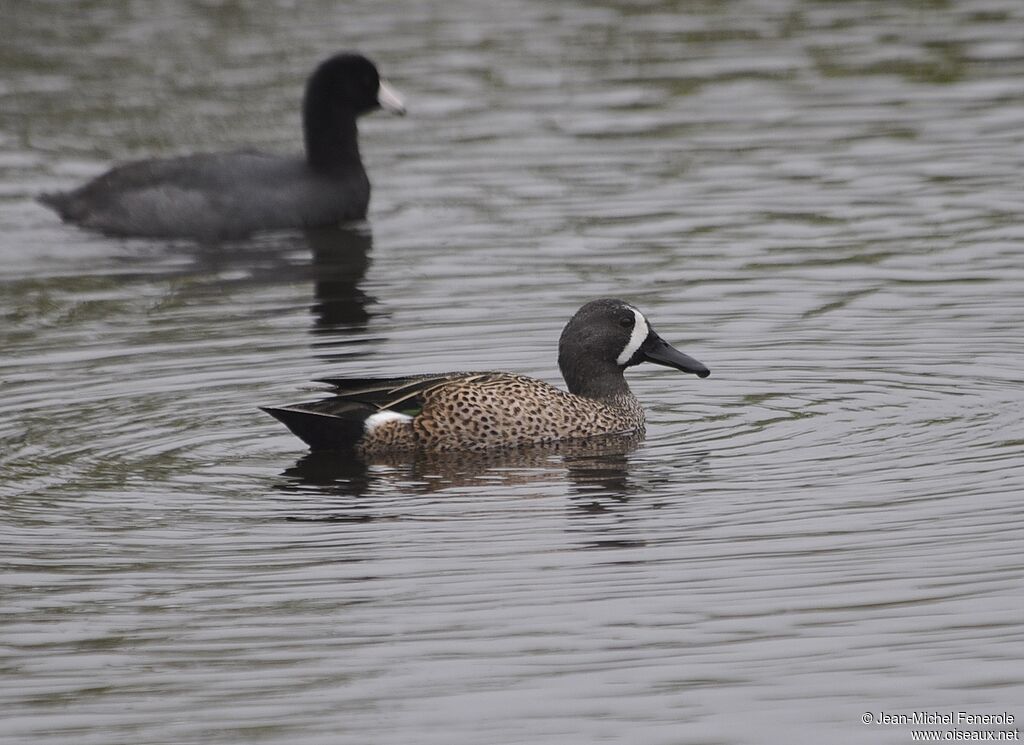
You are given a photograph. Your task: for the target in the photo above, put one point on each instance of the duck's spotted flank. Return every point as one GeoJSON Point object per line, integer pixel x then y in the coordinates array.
{"type": "Point", "coordinates": [472, 411]}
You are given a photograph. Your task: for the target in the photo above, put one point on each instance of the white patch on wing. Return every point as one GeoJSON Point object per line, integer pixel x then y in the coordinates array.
{"type": "Point", "coordinates": [640, 331]}
{"type": "Point", "coordinates": [383, 417]}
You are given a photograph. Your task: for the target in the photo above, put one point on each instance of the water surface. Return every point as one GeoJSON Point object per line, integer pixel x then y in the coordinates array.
{"type": "Point", "coordinates": [819, 200]}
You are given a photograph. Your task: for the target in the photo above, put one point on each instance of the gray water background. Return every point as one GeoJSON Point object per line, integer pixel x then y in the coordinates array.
{"type": "Point", "coordinates": [821, 200]}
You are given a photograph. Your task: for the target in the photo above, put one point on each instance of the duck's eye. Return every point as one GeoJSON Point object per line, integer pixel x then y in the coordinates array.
{"type": "Point", "coordinates": [626, 322]}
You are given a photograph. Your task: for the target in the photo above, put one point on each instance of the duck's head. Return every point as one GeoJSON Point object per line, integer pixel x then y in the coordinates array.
{"type": "Point", "coordinates": [604, 338]}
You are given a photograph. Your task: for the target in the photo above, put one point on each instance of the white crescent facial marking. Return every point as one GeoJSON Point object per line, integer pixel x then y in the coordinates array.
{"type": "Point", "coordinates": [383, 417]}
{"type": "Point", "coordinates": [389, 100]}
{"type": "Point", "coordinates": [640, 331]}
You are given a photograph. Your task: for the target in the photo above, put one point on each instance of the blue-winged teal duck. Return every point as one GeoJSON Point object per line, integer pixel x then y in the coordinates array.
{"type": "Point", "coordinates": [484, 410]}
{"type": "Point", "coordinates": [232, 194]}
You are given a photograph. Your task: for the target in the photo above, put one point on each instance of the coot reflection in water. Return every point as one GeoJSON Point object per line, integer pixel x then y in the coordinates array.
{"type": "Point", "coordinates": [340, 258]}
{"type": "Point", "coordinates": [334, 260]}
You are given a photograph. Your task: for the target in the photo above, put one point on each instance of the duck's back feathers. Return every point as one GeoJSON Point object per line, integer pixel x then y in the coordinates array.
{"type": "Point", "coordinates": [405, 394]}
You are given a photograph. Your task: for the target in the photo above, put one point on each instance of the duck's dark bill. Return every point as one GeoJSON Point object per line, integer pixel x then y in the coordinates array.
{"type": "Point", "coordinates": [660, 352]}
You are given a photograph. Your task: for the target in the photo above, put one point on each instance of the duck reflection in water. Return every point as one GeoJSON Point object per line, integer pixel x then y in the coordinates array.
{"type": "Point", "coordinates": [597, 466]}
{"type": "Point", "coordinates": [610, 492]}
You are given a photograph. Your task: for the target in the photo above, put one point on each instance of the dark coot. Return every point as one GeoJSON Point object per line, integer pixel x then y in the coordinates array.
{"type": "Point", "coordinates": [230, 195]}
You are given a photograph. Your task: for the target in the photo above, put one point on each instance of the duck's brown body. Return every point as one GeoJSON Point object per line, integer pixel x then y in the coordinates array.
{"type": "Point", "coordinates": [489, 410]}
{"type": "Point", "coordinates": [500, 410]}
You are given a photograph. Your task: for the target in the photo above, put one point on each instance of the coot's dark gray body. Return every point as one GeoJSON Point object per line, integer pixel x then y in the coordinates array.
{"type": "Point", "coordinates": [230, 195]}
{"type": "Point", "coordinates": [222, 195]}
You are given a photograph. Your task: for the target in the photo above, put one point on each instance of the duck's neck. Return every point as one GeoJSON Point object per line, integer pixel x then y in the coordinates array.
{"type": "Point", "coordinates": [332, 139]}
{"type": "Point", "coordinates": [602, 381]}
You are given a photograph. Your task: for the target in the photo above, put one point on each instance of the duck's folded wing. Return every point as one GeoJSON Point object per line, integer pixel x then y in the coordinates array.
{"type": "Point", "coordinates": [404, 394]}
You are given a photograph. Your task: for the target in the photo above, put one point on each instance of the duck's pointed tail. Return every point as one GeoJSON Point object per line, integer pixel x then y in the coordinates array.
{"type": "Point", "coordinates": [58, 201]}
{"type": "Point", "coordinates": [323, 427]}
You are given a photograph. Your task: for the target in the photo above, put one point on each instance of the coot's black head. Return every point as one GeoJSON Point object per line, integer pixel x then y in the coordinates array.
{"type": "Point", "coordinates": [350, 82]}
{"type": "Point", "coordinates": [604, 338]}
{"type": "Point", "coordinates": [338, 91]}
